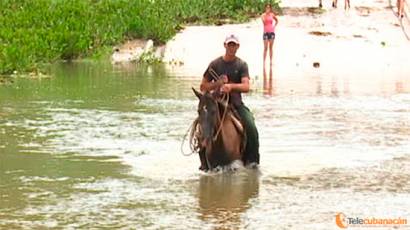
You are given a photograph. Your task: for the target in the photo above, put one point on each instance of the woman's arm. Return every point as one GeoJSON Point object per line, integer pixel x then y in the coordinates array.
{"type": "Point", "coordinates": [263, 18]}
{"type": "Point", "coordinates": [275, 18]}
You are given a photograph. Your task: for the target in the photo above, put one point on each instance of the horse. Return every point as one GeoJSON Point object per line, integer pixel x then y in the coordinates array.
{"type": "Point", "coordinates": [220, 135]}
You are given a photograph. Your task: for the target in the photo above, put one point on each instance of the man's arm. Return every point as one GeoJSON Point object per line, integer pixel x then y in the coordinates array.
{"type": "Point", "coordinates": [242, 87]}
{"type": "Point", "coordinates": [212, 85]}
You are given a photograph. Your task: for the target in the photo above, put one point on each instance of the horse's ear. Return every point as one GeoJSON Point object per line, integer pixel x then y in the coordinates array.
{"type": "Point", "coordinates": [198, 94]}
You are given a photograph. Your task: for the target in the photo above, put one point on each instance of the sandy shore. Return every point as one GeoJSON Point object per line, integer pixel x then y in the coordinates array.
{"type": "Point", "coordinates": [367, 41]}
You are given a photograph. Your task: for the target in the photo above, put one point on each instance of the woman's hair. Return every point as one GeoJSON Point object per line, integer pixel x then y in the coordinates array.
{"type": "Point", "coordinates": [268, 5]}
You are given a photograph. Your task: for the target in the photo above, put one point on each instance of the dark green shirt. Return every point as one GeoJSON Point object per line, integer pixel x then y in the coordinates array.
{"type": "Point", "coordinates": [235, 70]}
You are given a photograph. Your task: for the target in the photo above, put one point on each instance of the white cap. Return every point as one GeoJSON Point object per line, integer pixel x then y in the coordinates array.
{"type": "Point", "coordinates": [232, 38]}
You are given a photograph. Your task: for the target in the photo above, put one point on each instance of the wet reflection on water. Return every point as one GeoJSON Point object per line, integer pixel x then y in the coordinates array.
{"type": "Point", "coordinates": [225, 197]}
{"type": "Point", "coordinates": [268, 86]}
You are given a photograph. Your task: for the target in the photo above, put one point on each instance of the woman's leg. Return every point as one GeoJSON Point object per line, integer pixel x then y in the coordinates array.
{"type": "Point", "coordinates": [265, 49]}
{"type": "Point", "coordinates": [271, 50]}
{"type": "Point", "coordinates": [347, 4]}
{"type": "Point", "coordinates": [401, 8]}
{"type": "Point", "coordinates": [399, 2]}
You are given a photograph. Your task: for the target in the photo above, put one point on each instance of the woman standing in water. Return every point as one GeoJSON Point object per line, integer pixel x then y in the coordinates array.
{"type": "Point", "coordinates": [268, 31]}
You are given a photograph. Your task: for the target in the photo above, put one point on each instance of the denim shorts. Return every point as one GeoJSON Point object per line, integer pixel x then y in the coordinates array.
{"type": "Point", "coordinates": [269, 36]}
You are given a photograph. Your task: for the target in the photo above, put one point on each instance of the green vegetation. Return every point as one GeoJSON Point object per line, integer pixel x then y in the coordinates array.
{"type": "Point", "coordinates": [35, 33]}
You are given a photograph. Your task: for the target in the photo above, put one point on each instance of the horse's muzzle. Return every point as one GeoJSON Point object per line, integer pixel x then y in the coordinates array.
{"type": "Point", "coordinates": [204, 143]}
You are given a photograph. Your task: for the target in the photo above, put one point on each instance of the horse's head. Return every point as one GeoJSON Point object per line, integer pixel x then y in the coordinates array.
{"type": "Point", "coordinates": [207, 115]}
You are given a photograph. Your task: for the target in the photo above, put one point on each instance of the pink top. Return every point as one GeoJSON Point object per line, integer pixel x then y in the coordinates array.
{"type": "Point", "coordinates": [268, 24]}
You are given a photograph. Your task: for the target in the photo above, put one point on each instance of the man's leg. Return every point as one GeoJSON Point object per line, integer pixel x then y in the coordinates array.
{"type": "Point", "coordinates": [251, 153]}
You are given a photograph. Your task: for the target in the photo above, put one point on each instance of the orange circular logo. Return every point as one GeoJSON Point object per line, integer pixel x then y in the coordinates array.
{"type": "Point", "coordinates": [340, 220]}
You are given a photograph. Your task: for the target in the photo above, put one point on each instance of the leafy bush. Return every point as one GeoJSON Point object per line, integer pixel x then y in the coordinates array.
{"type": "Point", "coordinates": [34, 33]}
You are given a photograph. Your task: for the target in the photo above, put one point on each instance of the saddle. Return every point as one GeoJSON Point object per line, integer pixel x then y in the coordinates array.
{"type": "Point", "coordinates": [231, 112]}
{"type": "Point", "coordinates": [236, 120]}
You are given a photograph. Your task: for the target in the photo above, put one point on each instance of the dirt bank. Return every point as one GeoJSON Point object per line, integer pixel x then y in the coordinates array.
{"type": "Point", "coordinates": [368, 40]}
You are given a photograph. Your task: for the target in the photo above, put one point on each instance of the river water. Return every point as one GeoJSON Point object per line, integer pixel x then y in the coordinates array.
{"type": "Point", "coordinates": [99, 146]}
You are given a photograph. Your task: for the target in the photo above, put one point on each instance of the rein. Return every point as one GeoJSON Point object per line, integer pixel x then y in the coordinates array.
{"type": "Point", "coordinates": [192, 145]}
{"type": "Point", "coordinates": [226, 96]}
{"type": "Point", "coordinates": [225, 100]}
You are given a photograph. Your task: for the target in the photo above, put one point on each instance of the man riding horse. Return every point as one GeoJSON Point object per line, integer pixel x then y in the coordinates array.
{"type": "Point", "coordinates": [233, 79]}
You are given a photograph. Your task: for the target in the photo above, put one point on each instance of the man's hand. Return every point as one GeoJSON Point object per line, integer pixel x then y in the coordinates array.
{"type": "Point", "coordinates": [221, 80]}
{"type": "Point", "coordinates": [226, 88]}
{"type": "Point", "coordinates": [224, 78]}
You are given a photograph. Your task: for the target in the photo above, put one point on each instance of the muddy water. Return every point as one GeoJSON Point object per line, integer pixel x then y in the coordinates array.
{"type": "Point", "coordinates": [98, 146]}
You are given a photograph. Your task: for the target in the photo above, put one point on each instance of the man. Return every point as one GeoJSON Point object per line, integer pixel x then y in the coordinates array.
{"type": "Point", "coordinates": [233, 79]}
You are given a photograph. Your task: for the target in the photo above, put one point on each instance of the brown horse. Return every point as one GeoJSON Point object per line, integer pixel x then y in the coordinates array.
{"type": "Point", "coordinates": [221, 137]}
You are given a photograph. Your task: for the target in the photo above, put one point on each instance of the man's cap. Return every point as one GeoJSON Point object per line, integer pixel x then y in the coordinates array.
{"type": "Point", "coordinates": [232, 38]}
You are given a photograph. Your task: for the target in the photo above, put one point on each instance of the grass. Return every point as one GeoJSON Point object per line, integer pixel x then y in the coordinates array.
{"type": "Point", "coordinates": [36, 33]}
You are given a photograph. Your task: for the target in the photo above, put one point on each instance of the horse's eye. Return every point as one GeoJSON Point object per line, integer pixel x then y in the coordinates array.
{"type": "Point", "coordinates": [205, 109]}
